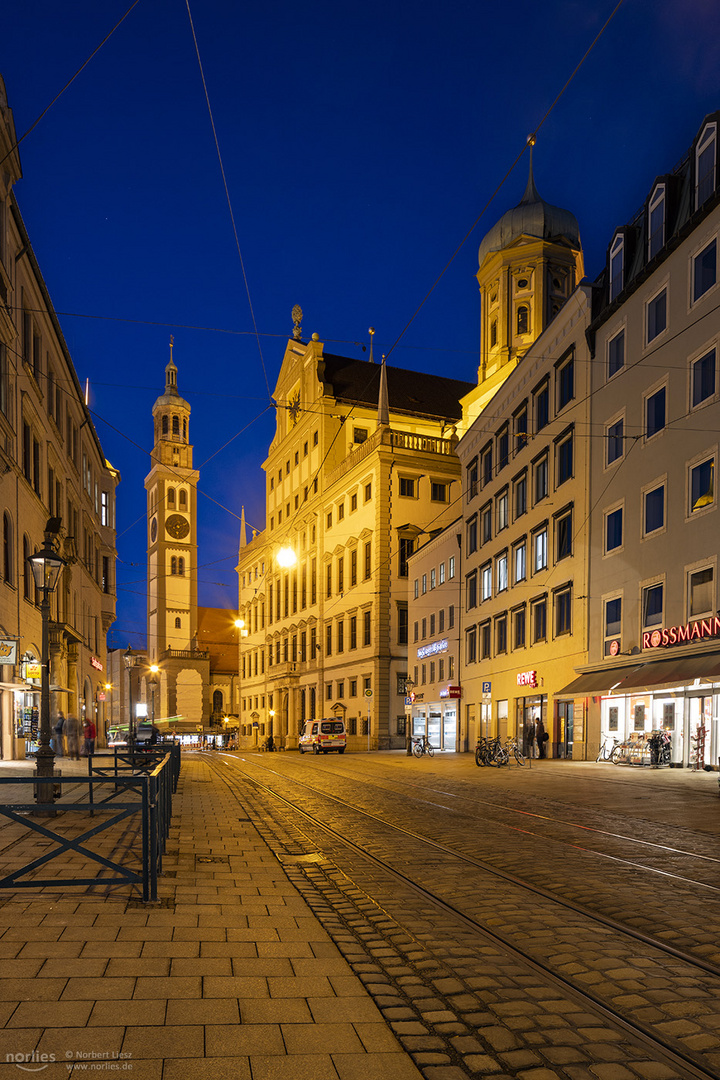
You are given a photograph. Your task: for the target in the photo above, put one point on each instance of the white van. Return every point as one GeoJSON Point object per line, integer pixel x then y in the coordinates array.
{"type": "Point", "coordinates": [323, 735]}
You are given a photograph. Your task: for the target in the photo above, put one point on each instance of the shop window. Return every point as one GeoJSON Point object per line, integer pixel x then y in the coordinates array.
{"type": "Point", "coordinates": [704, 270]}
{"type": "Point", "coordinates": [613, 530]}
{"type": "Point", "coordinates": [703, 378]}
{"type": "Point", "coordinates": [616, 354]}
{"type": "Point", "coordinates": [614, 433]}
{"type": "Point", "coordinates": [655, 412]}
{"type": "Point", "coordinates": [654, 509]}
{"type": "Point", "coordinates": [613, 622]}
{"type": "Point", "coordinates": [652, 606]}
{"type": "Point", "coordinates": [702, 485]}
{"type": "Point", "coordinates": [701, 592]}
{"type": "Point", "coordinates": [656, 316]}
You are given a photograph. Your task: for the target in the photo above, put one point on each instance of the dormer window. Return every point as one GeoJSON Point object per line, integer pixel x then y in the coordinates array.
{"type": "Point", "coordinates": [617, 266]}
{"type": "Point", "coordinates": [656, 221]}
{"type": "Point", "coordinates": [705, 156]}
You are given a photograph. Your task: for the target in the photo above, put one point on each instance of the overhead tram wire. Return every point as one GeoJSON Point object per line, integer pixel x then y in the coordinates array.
{"type": "Point", "coordinates": [227, 196]}
{"type": "Point", "coordinates": [70, 81]}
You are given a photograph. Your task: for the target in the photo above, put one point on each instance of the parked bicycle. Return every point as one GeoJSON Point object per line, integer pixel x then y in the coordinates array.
{"type": "Point", "coordinates": [607, 747]}
{"type": "Point", "coordinates": [422, 746]}
{"type": "Point", "coordinates": [491, 752]}
{"type": "Point", "coordinates": [514, 751]}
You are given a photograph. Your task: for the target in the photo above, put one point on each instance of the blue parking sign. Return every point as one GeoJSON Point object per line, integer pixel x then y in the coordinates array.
{"type": "Point", "coordinates": [486, 687]}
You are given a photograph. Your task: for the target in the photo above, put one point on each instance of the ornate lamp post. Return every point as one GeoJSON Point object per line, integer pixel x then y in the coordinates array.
{"type": "Point", "coordinates": [152, 683]}
{"type": "Point", "coordinates": [409, 687]}
{"type": "Point", "coordinates": [46, 565]}
{"type": "Point", "coordinates": [129, 658]}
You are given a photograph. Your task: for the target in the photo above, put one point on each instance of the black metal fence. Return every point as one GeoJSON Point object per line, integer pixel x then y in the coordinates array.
{"type": "Point", "coordinates": [118, 786]}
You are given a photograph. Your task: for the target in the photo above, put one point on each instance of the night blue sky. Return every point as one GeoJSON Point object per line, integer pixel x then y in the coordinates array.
{"type": "Point", "coordinates": [360, 143]}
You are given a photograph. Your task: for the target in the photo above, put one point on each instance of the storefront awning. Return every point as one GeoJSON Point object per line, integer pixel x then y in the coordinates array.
{"type": "Point", "coordinates": [679, 671]}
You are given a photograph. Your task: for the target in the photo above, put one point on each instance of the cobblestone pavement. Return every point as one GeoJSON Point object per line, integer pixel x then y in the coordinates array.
{"type": "Point", "coordinates": [461, 1006]}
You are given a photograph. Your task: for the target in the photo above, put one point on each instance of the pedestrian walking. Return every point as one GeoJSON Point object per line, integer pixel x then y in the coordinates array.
{"type": "Point", "coordinates": [57, 741]}
{"type": "Point", "coordinates": [90, 732]}
{"type": "Point", "coordinates": [72, 734]}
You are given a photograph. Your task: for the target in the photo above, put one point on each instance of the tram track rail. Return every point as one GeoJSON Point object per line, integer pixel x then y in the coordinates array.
{"type": "Point", "coordinates": [669, 1050]}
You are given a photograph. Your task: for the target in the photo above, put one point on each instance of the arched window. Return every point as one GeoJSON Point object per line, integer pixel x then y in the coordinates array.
{"type": "Point", "coordinates": [176, 425]}
{"type": "Point", "coordinates": [181, 566]}
{"type": "Point", "coordinates": [164, 425]}
{"type": "Point", "coordinates": [173, 565]}
{"type": "Point", "coordinates": [523, 319]}
{"type": "Point", "coordinates": [7, 549]}
{"type": "Point", "coordinates": [178, 623]}
{"type": "Point", "coordinates": [217, 701]}
{"type": "Point", "coordinates": [171, 496]}
{"type": "Point", "coordinates": [182, 496]}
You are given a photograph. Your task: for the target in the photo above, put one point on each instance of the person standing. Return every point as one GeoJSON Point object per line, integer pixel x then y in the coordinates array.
{"type": "Point", "coordinates": [530, 736]}
{"type": "Point", "coordinates": [72, 734]}
{"type": "Point", "coordinates": [57, 739]}
{"type": "Point", "coordinates": [541, 736]}
{"type": "Point", "coordinates": [90, 732]}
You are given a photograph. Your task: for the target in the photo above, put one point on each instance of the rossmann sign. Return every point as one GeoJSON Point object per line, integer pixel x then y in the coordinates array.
{"type": "Point", "coordinates": [677, 635]}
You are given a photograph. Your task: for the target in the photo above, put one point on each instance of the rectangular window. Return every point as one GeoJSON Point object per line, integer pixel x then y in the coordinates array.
{"type": "Point", "coordinates": [565, 460]}
{"type": "Point", "coordinates": [485, 641]}
{"type": "Point", "coordinates": [416, 588]}
{"type": "Point", "coordinates": [656, 221]}
{"type": "Point", "coordinates": [451, 567]}
{"type": "Point", "coordinates": [407, 544]}
{"type": "Point", "coordinates": [486, 581]}
{"type": "Point", "coordinates": [520, 562]}
{"type": "Point", "coordinates": [472, 479]}
{"type": "Point", "coordinates": [353, 502]}
{"type": "Point", "coordinates": [424, 584]}
{"type": "Point", "coordinates": [487, 469]}
{"type": "Point", "coordinates": [615, 441]}
{"type": "Point", "coordinates": [563, 612]}
{"type": "Point", "coordinates": [471, 590]}
{"type": "Point", "coordinates": [442, 573]}
{"type": "Point", "coordinates": [704, 270]}
{"type": "Point", "coordinates": [328, 580]}
{"type": "Point", "coordinates": [340, 578]}
{"type": "Point", "coordinates": [501, 572]}
{"type": "Point", "coordinates": [501, 511]}
{"type": "Point", "coordinates": [539, 618]}
{"type": "Point", "coordinates": [520, 496]}
{"type": "Point", "coordinates": [655, 413]}
{"type": "Point", "coordinates": [616, 354]}
{"type": "Point", "coordinates": [368, 559]}
{"type": "Point", "coordinates": [503, 448]}
{"type": "Point", "coordinates": [433, 578]}
{"type": "Point", "coordinates": [521, 430]}
{"type": "Point", "coordinates": [656, 316]}
{"type": "Point", "coordinates": [613, 622]}
{"type": "Point", "coordinates": [353, 570]}
{"type": "Point", "coordinates": [617, 267]}
{"type": "Point", "coordinates": [566, 383]}
{"type": "Point", "coordinates": [441, 621]}
{"type": "Point", "coordinates": [368, 492]}
{"type": "Point", "coordinates": [540, 469]}
{"type": "Point", "coordinates": [519, 628]}
{"type": "Point", "coordinates": [563, 536]}
{"type": "Point", "coordinates": [501, 634]}
{"type": "Point", "coordinates": [540, 550]}
{"type": "Point", "coordinates": [438, 492]}
{"type": "Point", "coordinates": [654, 508]}
{"type": "Point", "coordinates": [700, 593]}
{"type": "Point", "coordinates": [360, 435]}
{"type": "Point", "coordinates": [341, 635]}
{"type": "Point", "coordinates": [613, 530]}
{"type": "Point", "coordinates": [472, 534]}
{"type": "Point", "coordinates": [328, 639]}
{"type": "Point", "coordinates": [407, 487]}
{"type": "Point", "coordinates": [471, 645]}
{"type": "Point", "coordinates": [702, 485]}
{"type": "Point", "coordinates": [542, 408]}
{"type": "Point", "coordinates": [366, 627]}
{"type": "Point", "coordinates": [703, 379]}
{"type": "Point", "coordinates": [652, 606]}
{"type": "Point", "coordinates": [486, 523]}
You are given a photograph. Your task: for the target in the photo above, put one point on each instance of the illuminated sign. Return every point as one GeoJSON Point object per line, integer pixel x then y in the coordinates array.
{"type": "Point", "coordinates": [94, 662]}
{"type": "Point", "coordinates": [527, 678]}
{"type": "Point", "coordinates": [676, 635]}
{"type": "Point", "coordinates": [451, 692]}
{"type": "Point", "coordinates": [33, 670]}
{"type": "Point", "coordinates": [433, 648]}
{"type": "Point", "coordinates": [8, 651]}
{"type": "Point", "coordinates": [614, 648]}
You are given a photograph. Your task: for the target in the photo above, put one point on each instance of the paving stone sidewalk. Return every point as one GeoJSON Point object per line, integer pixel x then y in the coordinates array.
{"type": "Point", "coordinates": [230, 976]}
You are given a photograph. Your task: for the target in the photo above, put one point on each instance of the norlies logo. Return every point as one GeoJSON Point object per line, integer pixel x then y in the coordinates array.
{"type": "Point", "coordinates": [33, 1062]}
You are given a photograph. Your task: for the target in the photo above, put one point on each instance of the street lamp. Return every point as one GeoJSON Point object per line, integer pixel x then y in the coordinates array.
{"type": "Point", "coordinates": [286, 557]}
{"type": "Point", "coordinates": [409, 687]}
{"type": "Point", "coordinates": [152, 683]}
{"type": "Point", "coordinates": [129, 659]}
{"type": "Point", "coordinates": [46, 565]}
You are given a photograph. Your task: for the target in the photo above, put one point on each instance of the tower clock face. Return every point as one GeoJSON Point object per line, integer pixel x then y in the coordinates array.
{"type": "Point", "coordinates": [177, 526]}
{"type": "Point", "coordinates": [153, 530]}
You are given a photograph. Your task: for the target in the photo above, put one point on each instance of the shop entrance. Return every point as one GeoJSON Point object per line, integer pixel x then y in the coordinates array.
{"type": "Point", "coordinates": [450, 729]}
{"type": "Point", "coordinates": [531, 714]}
{"type": "Point", "coordinates": [565, 714]}
{"type": "Point", "coordinates": [700, 732]}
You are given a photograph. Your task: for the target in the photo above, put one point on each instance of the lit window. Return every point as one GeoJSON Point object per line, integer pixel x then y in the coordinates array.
{"type": "Point", "coordinates": [451, 566]}
{"type": "Point", "coordinates": [442, 573]}
{"type": "Point", "coordinates": [520, 560]}
{"type": "Point", "coordinates": [486, 579]}
{"type": "Point", "coordinates": [502, 572]}
{"type": "Point", "coordinates": [540, 550]}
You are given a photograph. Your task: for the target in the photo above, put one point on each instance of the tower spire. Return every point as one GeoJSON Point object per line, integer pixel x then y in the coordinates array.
{"type": "Point", "coordinates": [531, 192]}
{"type": "Point", "coordinates": [383, 403]}
{"type": "Point", "coordinates": [243, 537]}
{"type": "Point", "coordinates": [371, 332]}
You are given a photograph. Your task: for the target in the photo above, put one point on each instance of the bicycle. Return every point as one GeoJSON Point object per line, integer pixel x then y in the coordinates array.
{"type": "Point", "coordinates": [422, 746]}
{"type": "Point", "coordinates": [513, 748]}
{"type": "Point", "coordinates": [607, 749]}
{"type": "Point", "coordinates": [490, 752]}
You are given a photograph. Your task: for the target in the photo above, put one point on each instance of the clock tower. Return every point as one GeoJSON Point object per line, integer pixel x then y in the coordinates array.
{"type": "Point", "coordinates": [171, 487]}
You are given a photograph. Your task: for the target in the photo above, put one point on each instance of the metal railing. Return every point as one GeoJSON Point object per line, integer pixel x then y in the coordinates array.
{"type": "Point", "coordinates": [140, 783]}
